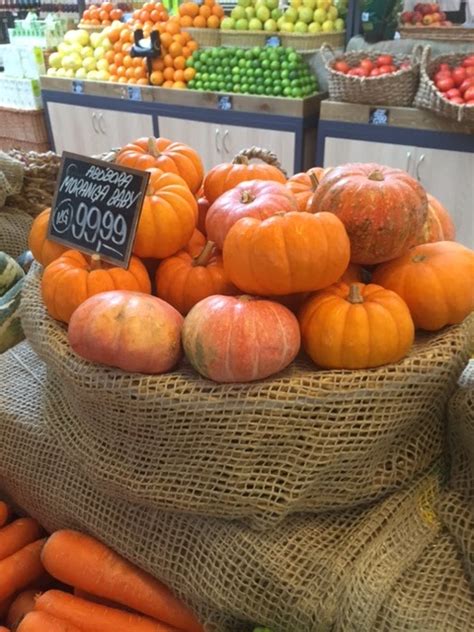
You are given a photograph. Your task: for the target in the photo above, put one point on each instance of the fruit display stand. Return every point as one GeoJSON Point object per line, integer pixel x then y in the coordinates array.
{"type": "Point", "coordinates": [446, 34]}
{"type": "Point", "coordinates": [104, 115]}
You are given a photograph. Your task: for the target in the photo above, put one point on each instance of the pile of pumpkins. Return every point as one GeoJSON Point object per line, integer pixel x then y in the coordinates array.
{"type": "Point", "coordinates": [240, 267]}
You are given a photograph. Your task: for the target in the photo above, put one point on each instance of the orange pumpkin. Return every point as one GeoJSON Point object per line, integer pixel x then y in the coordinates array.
{"type": "Point", "coordinates": [227, 175]}
{"type": "Point", "coordinates": [168, 217]}
{"type": "Point", "coordinates": [127, 330]}
{"type": "Point", "coordinates": [286, 253]}
{"type": "Point", "coordinates": [303, 186]}
{"type": "Point", "coordinates": [203, 207]}
{"type": "Point", "coordinates": [253, 198]}
{"type": "Point", "coordinates": [439, 225]}
{"type": "Point", "coordinates": [196, 243]}
{"type": "Point", "coordinates": [44, 250]}
{"type": "Point", "coordinates": [383, 209]}
{"type": "Point", "coordinates": [356, 327]}
{"type": "Point", "coordinates": [166, 155]}
{"type": "Point", "coordinates": [184, 280]}
{"type": "Point", "coordinates": [436, 281]}
{"type": "Point", "coordinates": [72, 278]}
{"type": "Point", "coordinates": [240, 339]}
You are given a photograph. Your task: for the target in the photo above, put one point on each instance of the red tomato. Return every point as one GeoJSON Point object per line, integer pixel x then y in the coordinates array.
{"type": "Point", "coordinates": [457, 100]}
{"type": "Point", "coordinates": [393, 69]}
{"type": "Point", "coordinates": [466, 84]}
{"type": "Point", "coordinates": [384, 60]}
{"type": "Point", "coordinates": [469, 94]}
{"type": "Point", "coordinates": [445, 84]}
{"type": "Point", "coordinates": [342, 66]}
{"type": "Point", "coordinates": [367, 64]}
{"type": "Point", "coordinates": [375, 72]}
{"type": "Point", "coordinates": [442, 74]}
{"type": "Point", "coordinates": [454, 92]}
{"type": "Point", "coordinates": [356, 72]}
{"type": "Point", "coordinates": [469, 61]}
{"type": "Point", "coordinates": [458, 75]}
{"type": "Point", "coordinates": [385, 70]}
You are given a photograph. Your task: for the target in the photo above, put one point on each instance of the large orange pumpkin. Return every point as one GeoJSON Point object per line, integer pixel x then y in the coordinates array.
{"type": "Point", "coordinates": [166, 155]}
{"type": "Point", "coordinates": [128, 330]}
{"type": "Point", "coordinates": [240, 339]}
{"type": "Point", "coordinates": [383, 209]}
{"type": "Point", "coordinates": [184, 280]}
{"type": "Point", "coordinates": [255, 198]}
{"type": "Point", "coordinates": [436, 281]}
{"type": "Point", "coordinates": [439, 225]}
{"type": "Point", "coordinates": [303, 186]}
{"type": "Point", "coordinates": [227, 175]}
{"type": "Point", "coordinates": [168, 217]}
{"type": "Point", "coordinates": [356, 327]}
{"type": "Point", "coordinates": [43, 249]}
{"type": "Point", "coordinates": [286, 253]}
{"type": "Point", "coordinates": [72, 278]}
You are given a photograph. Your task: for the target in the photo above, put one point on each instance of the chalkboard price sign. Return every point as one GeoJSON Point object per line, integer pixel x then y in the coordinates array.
{"type": "Point", "coordinates": [96, 207]}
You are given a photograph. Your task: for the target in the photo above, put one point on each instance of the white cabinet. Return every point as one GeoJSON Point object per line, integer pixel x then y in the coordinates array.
{"type": "Point", "coordinates": [220, 143]}
{"type": "Point", "coordinates": [91, 131]}
{"type": "Point", "coordinates": [338, 151]}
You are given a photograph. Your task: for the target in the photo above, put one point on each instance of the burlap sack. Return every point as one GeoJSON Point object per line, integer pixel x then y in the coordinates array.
{"type": "Point", "coordinates": [14, 229]}
{"type": "Point", "coordinates": [306, 440]}
{"type": "Point", "coordinates": [11, 176]}
{"type": "Point", "coordinates": [333, 571]}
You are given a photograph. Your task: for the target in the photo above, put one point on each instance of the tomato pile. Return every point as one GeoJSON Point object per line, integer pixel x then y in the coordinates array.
{"type": "Point", "coordinates": [457, 84]}
{"type": "Point", "coordinates": [383, 65]}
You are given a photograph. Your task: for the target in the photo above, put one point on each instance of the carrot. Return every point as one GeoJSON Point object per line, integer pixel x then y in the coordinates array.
{"type": "Point", "coordinates": [85, 563]}
{"type": "Point", "coordinates": [104, 602]}
{"type": "Point", "coordinates": [42, 622]}
{"type": "Point", "coordinates": [18, 534]}
{"type": "Point", "coordinates": [4, 513]}
{"type": "Point", "coordinates": [4, 629]}
{"type": "Point", "coordinates": [93, 617]}
{"type": "Point", "coordinates": [21, 606]}
{"type": "Point", "coordinates": [20, 569]}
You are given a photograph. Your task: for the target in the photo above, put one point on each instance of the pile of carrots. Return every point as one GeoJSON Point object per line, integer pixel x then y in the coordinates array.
{"type": "Point", "coordinates": [88, 587]}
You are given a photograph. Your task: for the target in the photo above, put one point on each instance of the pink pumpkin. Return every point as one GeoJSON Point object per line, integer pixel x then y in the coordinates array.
{"type": "Point", "coordinates": [240, 339]}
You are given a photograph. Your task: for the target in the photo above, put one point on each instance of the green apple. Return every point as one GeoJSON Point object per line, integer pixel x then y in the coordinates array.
{"type": "Point", "coordinates": [60, 72]}
{"type": "Point", "coordinates": [333, 13]}
{"type": "Point", "coordinates": [81, 73]}
{"type": "Point", "coordinates": [272, 4]}
{"type": "Point", "coordinates": [288, 27]}
{"type": "Point", "coordinates": [244, 3]}
{"type": "Point", "coordinates": [238, 13]}
{"type": "Point", "coordinates": [320, 16]}
{"type": "Point", "coordinates": [291, 15]}
{"type": "Point", "coordinates": [103, 75]}
{"type": "Point", "coordinates": [305, 14]}
{"type": "Point", "coordinates": [255, 25]}
{"type": "Point", "coordinates": [311, 4]}
{"type": "Point", "coordinates": [328, 26]}
{"type": "Point", "coordinates": [314, 27]}
{"type": "Point", "coordinates": [99, 52]}
{"type": "Point", "coordinates": [250, 12]}
{"type": "Point", "coordinates": [280, 22]}
{"type": "Point", "coordinates": [55, 60]}
{"type": "Point", "coordinates": [242, 25]}
{"type": "Point", "coordinates": [103, 64]}
{"type": "Point", "coordinates": [339, 25]}
{"type": "Point", "coordinates": [270, 25]}
{"type": "Point", "coordinates": [301, 27]}
{"type": "Point", "coordinates": [276, 14]}
{"type": "Point", "coordinates": [263, 13]}
{"type": "Point", "coordinates": [228, 23]}
{"type": "Point", "coordinates": [89, 63]}
{"type": "Point", "coordinates": [96, 39]}
{"type": "Point", "coordinates": [52, 72]}
{"type": "Point", "coordinates": [86, 51]}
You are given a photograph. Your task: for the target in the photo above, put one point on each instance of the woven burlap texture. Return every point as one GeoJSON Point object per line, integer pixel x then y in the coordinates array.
{"type": "Point", "coordinates": [11, 176]}
{"type": "Point", "coordinates": [303, 441]}
{"type": "Point", "coordinates": [309, 574]}
{"type": "Point", "coordinates": [14, 229]}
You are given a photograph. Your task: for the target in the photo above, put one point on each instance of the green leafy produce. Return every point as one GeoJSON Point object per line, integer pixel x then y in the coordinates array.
{"type": "Point", "coordinates": [269, 71]}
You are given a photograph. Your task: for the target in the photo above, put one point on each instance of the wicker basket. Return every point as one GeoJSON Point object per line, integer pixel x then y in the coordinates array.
{"type": "Point", "coordinates": [397, 89]}
{"type": "Point", "coordinates": [429, 97]}
{"type": "Point", "coordinates": [443, 34]}
{"type": "Point", "coordinates": [24, 128]}
{"type": "Point", "coordinates": [246, 39]}
{"type": "Point", "coordinates": [91, 28]}
{"type": "Point", "coordinates": [206, 38]}
{"type": "Point", "coordinates": [306, 43]}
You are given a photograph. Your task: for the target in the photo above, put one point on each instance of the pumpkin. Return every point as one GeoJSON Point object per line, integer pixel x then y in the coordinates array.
{"type": "Point", "coordinates": [131, 331]}
{"type": "Point", "coordinates": [240, 339]}
{"type": "Point", "coordinates": [203, 207]}
{"type": "Point", "coordinates": [228, 174]}
{"type": "Point", "coordinates": [383, 209]}
{"type": "Point", "coordinates": [439, 225]}
{"type": "Point", "coordinates": [11, 332]}
{"type": "Point", "coordinates": [353, 274]}
{"type": "Point", "coordinates": [286, 253]}
{"type": "Point", "coordinates": [168, 217]}
{"type": "Point", "coordinates": [184, 280]}
{"type": "Point", "coordinates": [73, 278]}
{"type": "Point", "coordinates": [10, 272]}
{"type": "Point", "coordinates": [44, 250]}
{"type": "Point", "coordinates": [196, 243]}
{"type": "Point", "coordinates": [166, 155]}
{"type": "Point", "coordinates": [356, 326]}
{"type": "Point", "coordinates": [255, 198]}
{"type": "Point", "coordinates": [303, 186]}
{"type": "Point", "coordinates": [436, 281]}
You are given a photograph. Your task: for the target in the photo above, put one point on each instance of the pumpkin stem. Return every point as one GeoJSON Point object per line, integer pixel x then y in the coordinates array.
{"type": "Point", "coordinates": [246, 298]}
{"type": "Point", "coordinates": [354, 294]}
{"type": "Point", "coordinates": [96, 263]}
{"type": "Point", "coordinates": [314, 181]}
{"type": "Point", "coordinates": [247, 197]}
{"type": "Point", "coordinates": [152, 147]}
{"type": "Point", "coordinates": [240, 159]}
{"type": "Point", "coordinates": [205, 255]}
{"type": "Point", "coordinates": [377, 176]}
{"type": "Point", "coordinates": [418, 258]}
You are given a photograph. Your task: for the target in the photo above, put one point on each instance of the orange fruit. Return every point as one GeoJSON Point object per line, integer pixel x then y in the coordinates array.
{"type": "Point", "coordinates": [95, 21]}
{"type": "Point", "coordinates": [107, 6]}
{"type": "Point", "coordinates": [103, 15]}
{"type": "Point", "coordinates": [186, 21]}
{"type": "Point", "coordinates": [127, 61]}
{"type": "Point", "coordinates": [117, 47]}
{"type": "Point", "coordinates": [86, 16]}
{"type": "Point", "coordinates": [175, 49]}
{"type": "Point", "coordinates": [116, 14]}
{"type": "Point", "coordinates": [129, 73]}
{"type": "Point", "coordinates": [125, 35]}
{"type": "Point", "coordinates": [168, 73]}
{"type": "Point", "coordinates": [199, 22]}
{"type": "Point", "coordinates": [143, 81]}
{"type": "Point", "coordinates": [118, 59]}
{"type": "Point", "coordinates": [185, 37]}
{"type": "Point", "coordinates": [179, 63]}
{"type": "Point", "coordinates": [144, 16]}
{"type": "Point", "coordinates": [169, 61]}
{"type": "Point", "coordinates": [166, 40]}
{"type": "Point", "coordinates": [189, 74]}
{"type": "Point", "coordinates": [131, 80]}
{"type": "Point", "coordinates": [158, 64]}
{"type": "Point", "coordinates": [179, 85]}
{"type": "Point", "coordinates": [113, 69]}
{"type": "Point", "coordinates": [209, 3]}
{"type": "Point", "coordinates": [138, 73]}
{"type": "Point", "coordinates": [148, 6]}
{"type": "Point", "coordinates": [217, 10]}
{"type": "Point", "coordinates": [121, 71]}
{"type": "Point", "coordinates": [172, 27]}
{"type": "Point", "coordinates": [186, 52]}
{"type": "Point", "coordinates": [113, 35]}
{"type": "Point", "coordinates": [192, 45]}
{"type": "Point", "coordinates": [94, 14]}
{"type": "Point", "coordinates": [178, 75]}
{"type": "Point", "coordinates": [205, 11]}
{"type": "Point", "coordinates": [157, 78]}
{"type": "Point", "coordinates": [122, 79]}
{"type": "Point", "coordinates": [113, 78]}
{"type": "Point", "coordinates": [109, 56]}
{"type": "Point", "coordinates": [155, 15]}
{"type": "Point", "coordinates": [168, 84]}
{"type": "Point", "coordinates": [213, 22]}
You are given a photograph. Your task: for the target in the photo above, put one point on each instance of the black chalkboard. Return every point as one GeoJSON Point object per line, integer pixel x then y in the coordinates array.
{"type": "Point", "coordinates": [96, 207]}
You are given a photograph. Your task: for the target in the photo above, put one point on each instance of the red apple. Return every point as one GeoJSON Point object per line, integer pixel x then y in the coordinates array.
{"type": "Point", "coordinates": [375, 72]}
{"type": "Point", "coordinates": [367, 64]}
{"type": "Point", "coordinates": [458, 74]}
{"type": "Point", "coordinates": [406, 16]}
{"type": "Point", "coordinates": [384, 60]}
{"type": "Point", "coordinates": [426, 10]}
{"type": "Point", "coordinates": [342, 66]}
{"type": "Point", "coordinates": [457, 100]}
{"type": "Point", "coordinates": [442, 74]}
{"type": "Point", "coordinates": [466, 84]}
{"type": "Point", "coordinates": [419, 6]}
{"type": "Point", "coordinates": [468, 62]}
{"type": "Point", "coordinates": [454, 92]}
{"type": "Point", "coordinates": [469, 94]}
{"type": "Point", "coordinates": [470, 103]}
{"type": "Point", "coordinates": [427, 20]}
{"type": "Point", "coordinates": [417, 17]}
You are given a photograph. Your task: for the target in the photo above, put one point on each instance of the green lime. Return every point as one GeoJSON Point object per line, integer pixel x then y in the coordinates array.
{"type": "Point", "coordinates": [244, 87]}
{"type": "Point", "coordinates": [205, 85]}
{"type": "Point", "coordinates": [296, 93]}
{"type": "Point", "coordinates": [237, 87]}
{"type": "Point", "coordinates": [258, 73]}
{"type": "Point", "coordinates": [260, 89]}
{"type": "Point", "coordinates": [276, 91]}
{"type": "Point", "coordinates": [265, 63]}
{"type": "Point", "coordinates": [275, 65]}
{"type": "Point", "coordinates": [199, 85]}
{"type": "Point", "coordinates": [268, 81]}
{"type": "Point", "coordinates": [287, 91]}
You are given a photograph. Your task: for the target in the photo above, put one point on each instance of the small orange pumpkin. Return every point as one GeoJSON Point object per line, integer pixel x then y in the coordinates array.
{"type": "Point", "coordinates": [203, 207]}
{"type": "Point", "coordinates": [439, 225]}
{"type": "Point", "coordinates": [166, 155]}
{"type": "Point", "coordinates": [72, 278]}
{"type": "Point", "coordinates": [436, 281]}
{"type": "Point", "coordinates": [356, 327]}
{"type": "Point", "coordinates": [168, 217]}
{"type": "Point", "coordinates": [43, 249]}
{"type": "Point", "coordinates": [303, 186]}
{"type": "Point", "coordinates": [196, 243]}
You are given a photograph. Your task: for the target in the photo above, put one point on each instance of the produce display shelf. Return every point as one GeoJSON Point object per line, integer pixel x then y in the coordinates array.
{"type": "Point", "coordinates": [444, 34]}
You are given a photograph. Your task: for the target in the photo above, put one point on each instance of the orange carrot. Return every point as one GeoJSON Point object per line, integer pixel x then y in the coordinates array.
{"type": "Point", "coordinates": [93, 617]}
{"type": "Point", "coordinates": [18, 534]}
{"type": "Point", "coordinates": [4, 513]}
{"type": "Point", "coordinates": [4, 629]}
{"type": "Point", "coordinates": [42, 622]}
{"type": "Point", "coordinates": [20, 569]}
{"type": "Point", "coordinates": [21, 606]}
{"type": "Point", "coordinates": [85, 563]}
{"type": "Point", "coordinates": [104, 602]}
